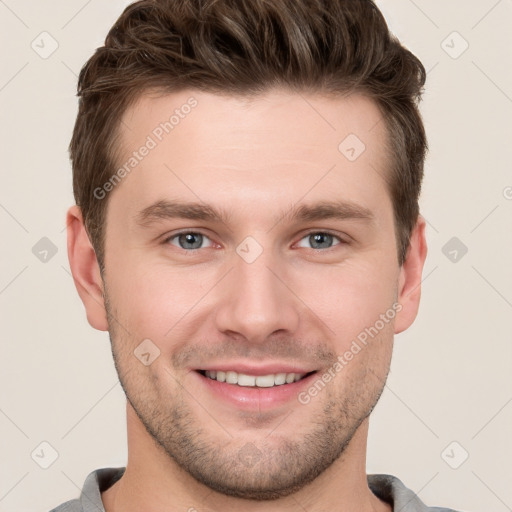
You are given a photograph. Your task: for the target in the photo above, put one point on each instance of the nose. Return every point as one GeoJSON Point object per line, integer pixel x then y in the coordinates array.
{"type": "Point", "coordinates": [257, 302]}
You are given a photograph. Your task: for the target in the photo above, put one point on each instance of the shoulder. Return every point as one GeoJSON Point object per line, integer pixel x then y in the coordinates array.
{"type": "Point", "coordinates": [389, 488]}
{"type": "Point", "coordinates": [69, 506]}
{"type": "Point", "coordinates": [96, 482]}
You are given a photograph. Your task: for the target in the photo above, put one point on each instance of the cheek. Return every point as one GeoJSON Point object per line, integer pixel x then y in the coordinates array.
{"type": "Point", "coordinates": [352, 297]}
{"type": "Point", "coordinates": [156, 302]}
{"type": "Point", "coordinates": [160, 302]}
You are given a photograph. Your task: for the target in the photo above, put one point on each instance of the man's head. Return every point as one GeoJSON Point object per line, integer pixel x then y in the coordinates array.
{"type": "Point", "coordinates": [244, 49]}
{"type": "Point", "coordinates": [269, 227]}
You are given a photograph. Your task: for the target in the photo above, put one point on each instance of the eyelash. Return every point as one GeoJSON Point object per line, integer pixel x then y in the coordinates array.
{"type": "Point", "coordinates": [313, 232]}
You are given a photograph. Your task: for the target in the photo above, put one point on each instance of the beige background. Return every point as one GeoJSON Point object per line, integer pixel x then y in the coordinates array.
{"type": "Point", "coordinates": [451, 376]}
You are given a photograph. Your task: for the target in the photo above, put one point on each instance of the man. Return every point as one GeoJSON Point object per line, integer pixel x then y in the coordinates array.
{"type": "Point", "coordinates": [247, 230]}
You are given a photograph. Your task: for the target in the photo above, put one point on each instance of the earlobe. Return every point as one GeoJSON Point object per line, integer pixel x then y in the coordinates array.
{"type": "Point", "coordinates": [409, 281]}
{"type": "Point", "coordinates": [85, 269]}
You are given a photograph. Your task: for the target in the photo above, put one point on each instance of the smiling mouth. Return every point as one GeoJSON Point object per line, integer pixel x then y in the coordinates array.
{"type": "Point", "coordinates": [257, 381]}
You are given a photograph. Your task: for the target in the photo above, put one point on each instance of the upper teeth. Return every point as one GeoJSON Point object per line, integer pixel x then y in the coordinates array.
{"type": "Point", "coordinates": [262, 381]}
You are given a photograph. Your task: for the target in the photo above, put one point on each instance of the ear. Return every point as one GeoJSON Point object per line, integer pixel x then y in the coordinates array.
{"type": "Point", "coordinates": [85, 269]}
{"type": "Point", "coordinates": [409, 281]}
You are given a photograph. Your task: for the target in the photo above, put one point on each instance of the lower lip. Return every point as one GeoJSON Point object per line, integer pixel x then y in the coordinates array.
{"type": "Point", "coordinates": [247, 397]}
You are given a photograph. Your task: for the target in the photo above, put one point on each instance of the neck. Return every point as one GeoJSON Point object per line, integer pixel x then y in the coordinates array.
{"type": "Point", "coordinates": [153, 482]}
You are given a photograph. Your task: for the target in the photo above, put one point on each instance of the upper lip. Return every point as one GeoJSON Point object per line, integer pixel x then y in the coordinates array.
{"type": "Point", "coordinates": [260, 369]}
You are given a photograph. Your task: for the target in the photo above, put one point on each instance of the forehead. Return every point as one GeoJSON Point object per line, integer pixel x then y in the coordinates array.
{"type": "Point", "coordinates": [278, 146]}
{"type": "Point", "coordinates": [311, 119]}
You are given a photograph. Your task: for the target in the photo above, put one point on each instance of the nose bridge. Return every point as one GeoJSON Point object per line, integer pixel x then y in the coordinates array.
{"type": "Point", "coordinates": [256, 303]}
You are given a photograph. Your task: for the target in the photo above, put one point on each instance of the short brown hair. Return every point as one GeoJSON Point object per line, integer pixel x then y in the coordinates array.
{"type": "Point", "coordinates": [246, 47]}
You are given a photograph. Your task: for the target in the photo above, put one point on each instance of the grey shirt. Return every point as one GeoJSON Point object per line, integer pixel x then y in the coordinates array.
{"type": "Point", "coordinates": [388, 488]}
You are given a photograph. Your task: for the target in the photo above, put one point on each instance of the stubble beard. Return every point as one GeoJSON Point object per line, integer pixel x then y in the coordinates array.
{"type": "Point", "coordinates": [266, 469]}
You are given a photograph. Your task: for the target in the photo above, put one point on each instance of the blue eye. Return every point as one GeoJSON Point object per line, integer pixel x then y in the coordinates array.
{"type": "Point", "coordinates": [320, 240]}
{"type": "Point", "coordinates": [189, 240]}
{"type": "Point", "coordinates": [192, 240]}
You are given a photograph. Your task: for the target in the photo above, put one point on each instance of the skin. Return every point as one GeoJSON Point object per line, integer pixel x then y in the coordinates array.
{"type": "Point", "coordinates": [298, 302]}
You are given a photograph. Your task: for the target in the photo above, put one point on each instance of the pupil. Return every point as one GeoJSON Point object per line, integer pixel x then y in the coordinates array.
{"type": "Point", "coordinates": [321, 239]}
{"type": "Point", "coordinates": [188, 240]}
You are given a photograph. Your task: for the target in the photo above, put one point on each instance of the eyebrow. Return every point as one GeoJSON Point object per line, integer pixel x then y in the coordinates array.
{"type": "Point", "coordinates": [323, 210]}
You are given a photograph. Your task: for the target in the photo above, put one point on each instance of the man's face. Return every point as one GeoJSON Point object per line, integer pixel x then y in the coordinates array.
{"type": "Point", "coordinates": [271, 289]}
